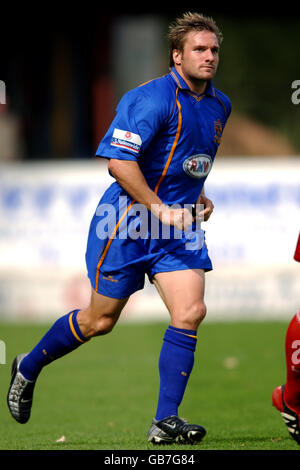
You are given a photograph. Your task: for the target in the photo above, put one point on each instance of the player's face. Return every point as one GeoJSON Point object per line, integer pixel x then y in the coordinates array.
{"type": "Point", "coordinates": [200, 56]}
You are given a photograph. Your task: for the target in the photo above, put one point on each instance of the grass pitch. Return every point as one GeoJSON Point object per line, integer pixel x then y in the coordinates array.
{"type": "Point", "coordinates": [103, 395]}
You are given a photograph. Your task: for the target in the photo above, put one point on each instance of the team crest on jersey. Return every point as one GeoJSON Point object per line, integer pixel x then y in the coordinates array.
{"type": "Point", "coordinates": [197, 166]}
{"type": "Point", "coordinates": [218, 131]}
{"type": "Point", "coordinates": [126, 140]}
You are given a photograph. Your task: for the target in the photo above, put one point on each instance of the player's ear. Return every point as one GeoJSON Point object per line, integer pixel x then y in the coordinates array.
{"type": "Point", "coordinates": [177, 55]}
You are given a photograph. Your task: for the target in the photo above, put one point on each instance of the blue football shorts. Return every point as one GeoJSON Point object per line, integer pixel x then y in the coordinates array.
{"type": "Point", "coordinates": [118, 259]}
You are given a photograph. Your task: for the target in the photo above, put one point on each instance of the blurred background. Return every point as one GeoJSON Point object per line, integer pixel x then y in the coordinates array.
{"type": "Point", "coordinates": [63, 72]}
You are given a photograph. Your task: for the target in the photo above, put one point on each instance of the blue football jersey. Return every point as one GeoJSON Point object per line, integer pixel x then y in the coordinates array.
{"type": "Point", "coordinates": [173, 134]}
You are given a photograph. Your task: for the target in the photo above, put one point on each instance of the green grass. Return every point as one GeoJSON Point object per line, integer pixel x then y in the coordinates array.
{"type": "Point", "coordinates": [103, 395]}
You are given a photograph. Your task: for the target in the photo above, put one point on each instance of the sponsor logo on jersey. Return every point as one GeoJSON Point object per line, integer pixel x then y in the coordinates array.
{"type": "Point", "coordinates": [197, 166]}
{"type": "Point", "coordinates": [126, 140]}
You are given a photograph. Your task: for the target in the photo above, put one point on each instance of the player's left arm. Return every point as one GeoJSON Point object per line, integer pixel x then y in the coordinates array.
{"type": "Point", "coordinates": [205, 213]}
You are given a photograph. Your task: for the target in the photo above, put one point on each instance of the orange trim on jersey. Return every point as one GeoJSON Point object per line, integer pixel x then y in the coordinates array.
{"type": "Point", "coordinates": [176, 79]}
{"type": "Point", "coordinates": [173, 146]}
{"type": "Point", "coordinates": [73, 329]}
{"type": "Point", "coordinates": [109, 243]}
{"type": "Point", "coordinates": [222, 104]}
{"type": "Point", "coordinates": [145, 83]}
{"type": "Point", "coordinates": [195, 96]}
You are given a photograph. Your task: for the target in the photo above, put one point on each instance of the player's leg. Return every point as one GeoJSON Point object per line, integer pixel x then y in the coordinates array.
{"type": "Point", "coordinates": [292, 354]}
{"type": "Point", "coordinates": [71, 331]}
{"type": "Point", "coordinates": [66, 334]}
{"type": "Point", "coordinates": [183, 295]}
{"type": "Point", "coordinates": [286, 398]}
{"type": "Point", "coordinates": [101, 315]}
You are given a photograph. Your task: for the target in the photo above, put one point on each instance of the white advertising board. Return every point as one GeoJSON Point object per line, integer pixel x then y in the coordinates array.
{"type": "Point", "coordinates": [45, 212]}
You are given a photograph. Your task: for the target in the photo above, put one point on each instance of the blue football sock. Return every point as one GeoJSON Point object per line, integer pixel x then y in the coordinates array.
{"type": "Point", "coordinates": [63, 337]}
{"type": "Point", "coordinates": [175, 366]}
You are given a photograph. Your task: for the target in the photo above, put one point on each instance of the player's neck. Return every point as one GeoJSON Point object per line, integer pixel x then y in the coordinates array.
{"type": "Point", "coordinates": [195, 85]}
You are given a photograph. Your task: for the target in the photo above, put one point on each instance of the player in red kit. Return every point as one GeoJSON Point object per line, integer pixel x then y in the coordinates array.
{"type": "Point", "coordinates": [286, 398]}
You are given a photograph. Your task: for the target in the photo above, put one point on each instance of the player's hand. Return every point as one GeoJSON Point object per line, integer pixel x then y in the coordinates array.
{"type": "Point", "coordinates": [179, 218]}
{"type": "Point", "coordinates": [205, 213]}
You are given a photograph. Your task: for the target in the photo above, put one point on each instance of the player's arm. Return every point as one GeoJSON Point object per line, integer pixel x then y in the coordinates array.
{"type": "Point", "coordinates": [128, 174]}
{"type": "Point", "coordinates": [208, 206]}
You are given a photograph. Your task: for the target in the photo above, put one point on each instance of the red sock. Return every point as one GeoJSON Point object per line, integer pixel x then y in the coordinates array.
{"type": "Point", "coordinates": [297, 250]}
{"type": "Point", "coordinates": [292, 354]}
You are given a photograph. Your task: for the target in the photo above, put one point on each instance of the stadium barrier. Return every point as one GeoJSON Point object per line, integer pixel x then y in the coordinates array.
{"type": "Point", "coordinates": [45, 211]}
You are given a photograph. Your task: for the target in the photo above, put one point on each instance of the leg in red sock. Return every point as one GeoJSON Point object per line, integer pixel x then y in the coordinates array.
{"type": "Point", "coordinates": [292, 354]}
{"type": "Point", "coordinates": [286, 398]}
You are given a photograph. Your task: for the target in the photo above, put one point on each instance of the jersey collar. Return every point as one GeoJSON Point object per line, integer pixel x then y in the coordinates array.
{"type": "Point", "coordinates": [180, 82]}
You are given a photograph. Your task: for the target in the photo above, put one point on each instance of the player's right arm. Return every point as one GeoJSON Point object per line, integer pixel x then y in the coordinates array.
{"type": "Point", "coordinates": [140, 115]}
{"type": "Point", "coordinates": [128, 174]}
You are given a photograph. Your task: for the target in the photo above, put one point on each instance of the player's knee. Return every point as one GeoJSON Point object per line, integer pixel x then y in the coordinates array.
{"type": "Point", "coordinates": [103, 325]}
{"type": "Point", "coordinates": [197, 313]}
{"type": "Point", "coordinates": [99, 328]}
{"type": "Point", "coordinates": [190, 316]}
{"type": "Point", "coordinates": [202, 311]}
{"type": "Point", "coordinates": [92, 324]}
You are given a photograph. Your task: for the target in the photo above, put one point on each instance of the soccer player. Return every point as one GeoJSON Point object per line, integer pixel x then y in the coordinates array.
{"type": "Point", "coordinates": [286, 398]}
{"type": "Point", "coordinates": [160, 149]}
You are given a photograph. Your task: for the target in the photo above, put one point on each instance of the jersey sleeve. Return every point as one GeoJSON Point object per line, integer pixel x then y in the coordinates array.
{"type": "Point", "coordinates": [228, 109]}
{"type": "Point", "coordinates": [138, 118]}
{"type": "Point", "coordinates": [227, 106]}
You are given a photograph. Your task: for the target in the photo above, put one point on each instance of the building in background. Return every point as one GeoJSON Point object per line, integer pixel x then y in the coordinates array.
{"type": "Point", "coordinates": [65, 76]}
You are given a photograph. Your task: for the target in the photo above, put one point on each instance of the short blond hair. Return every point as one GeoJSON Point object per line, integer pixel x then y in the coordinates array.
{"type": "Point", "coordinates": [189, 22]}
